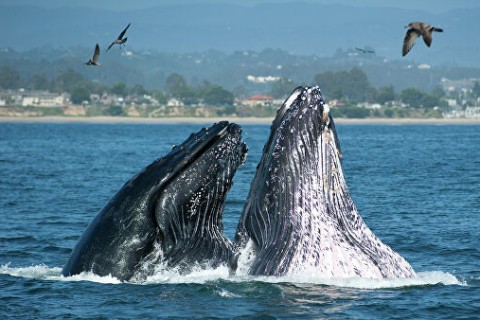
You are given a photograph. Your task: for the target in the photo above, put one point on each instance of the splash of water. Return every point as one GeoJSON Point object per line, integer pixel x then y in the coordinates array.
{"type": "Point", "coordinates": [201, 276]}
{"type": "Point", "coordinates": [43, 272]}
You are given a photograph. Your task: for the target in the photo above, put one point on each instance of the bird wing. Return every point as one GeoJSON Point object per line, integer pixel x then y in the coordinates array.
{"type": "Point", "coordinates": [111, 45]}
{"type": "Point", "coordinates": [123, 32]}
{"type": "Point", "coordinates": [96, 53]}
{"type": "Point", "coordinates": [409, 41]}
{"type": "Point", "coordinates": [427, 34]}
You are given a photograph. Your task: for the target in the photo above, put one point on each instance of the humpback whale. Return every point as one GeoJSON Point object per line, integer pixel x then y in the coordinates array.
{"type": "Point", "coordinates": [299, 215]}
{"type": "Point", "coordinates": [170, 213]}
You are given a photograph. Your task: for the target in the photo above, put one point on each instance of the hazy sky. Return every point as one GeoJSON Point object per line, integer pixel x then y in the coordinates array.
{"type": "Point", "coordinates": [433, 6]}
{"type": "Point", "coordinates": [374, 23]}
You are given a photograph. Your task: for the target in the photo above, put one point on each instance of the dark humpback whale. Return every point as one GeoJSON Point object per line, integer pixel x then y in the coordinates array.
{"type": "Point", "coordinates": [170, 213]}
{"type": "Point", "coordinates": [299, 215]}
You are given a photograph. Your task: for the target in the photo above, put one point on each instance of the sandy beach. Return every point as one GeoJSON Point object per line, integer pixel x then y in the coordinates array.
{"type": "Point", "coordinates": [243, 120]}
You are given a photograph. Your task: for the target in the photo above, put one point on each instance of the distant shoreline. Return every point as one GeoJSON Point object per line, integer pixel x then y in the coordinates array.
{"type": "Point", "coordinates": [241, 120]}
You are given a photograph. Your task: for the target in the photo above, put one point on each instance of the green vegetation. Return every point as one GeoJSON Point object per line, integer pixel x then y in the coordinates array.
{"type": "Point", "coordinates": [115, 111]}
{"type": "Point", "coordinates": [79, 94]}
{"type": "Point", "coordinates": [282, 87]}
{"type": "Point", "coordinates": [351, 112]}
{"type": "Point", "coordinates": [9, 78]}
{"type": "Point", "coordinates": [476, 90]}
{"type": "Point", "coordinates": [351, 88]}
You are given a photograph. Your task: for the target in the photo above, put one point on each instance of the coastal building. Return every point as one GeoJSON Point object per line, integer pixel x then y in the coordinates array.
{"type": "Point", "coordinates": [462, 86]}
{"type": "Point", "coordinates": [35, 98]}
{"type": "Point", "coordinates": [262, 79]}
{"type": "Point", "coordinates": [11, 97]}
{"type": "Point", "coordinates": [472, 112]}
{"type": "Point", "coordinates": [172, 102]}
{"type": "Point", "coordinates": [336, 103]}
{"type": "Point", "coordinates": [258, 100]}
{"type": "Point", "coordinates": [371, 106]}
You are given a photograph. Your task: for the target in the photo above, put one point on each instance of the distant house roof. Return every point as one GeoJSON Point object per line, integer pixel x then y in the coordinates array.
{"type": "Point", "coordinates": [260, 97]}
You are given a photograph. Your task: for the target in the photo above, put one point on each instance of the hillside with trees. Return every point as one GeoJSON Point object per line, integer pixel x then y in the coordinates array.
{"type": "Point", "coordinates": [352, 89]}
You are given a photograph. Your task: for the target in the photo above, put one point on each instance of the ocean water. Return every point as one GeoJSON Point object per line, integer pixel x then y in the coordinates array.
{"type": "Point", "coordinates": [416, 186]}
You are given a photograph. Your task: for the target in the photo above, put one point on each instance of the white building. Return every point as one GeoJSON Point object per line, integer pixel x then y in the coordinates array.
{"type": "Point", "coordinates": [172, 102]}
{"type": "Point", "coordinates": [472, 112]}
{"type": "Point", "coordinates": [36, 98]}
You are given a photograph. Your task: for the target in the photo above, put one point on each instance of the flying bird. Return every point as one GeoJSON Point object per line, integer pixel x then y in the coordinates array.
{"type": "Point", "coordinates": [94, 60]}
{"type": "Point", "coordinates": [120, 40]}
{"type": "Point", "coordinates": [365, 50]}
{"type": "Point", "coordinates": [416, 30]}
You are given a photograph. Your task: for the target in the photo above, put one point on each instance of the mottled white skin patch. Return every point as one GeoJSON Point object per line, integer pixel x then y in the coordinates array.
{"type": "Point", "coordinates": [299, 214]}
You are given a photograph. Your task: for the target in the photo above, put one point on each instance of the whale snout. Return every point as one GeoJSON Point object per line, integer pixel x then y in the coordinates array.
{"type": "Point", "coordinates": [234, 129]}
{"type": "Point", "coordinates": [313, 96]}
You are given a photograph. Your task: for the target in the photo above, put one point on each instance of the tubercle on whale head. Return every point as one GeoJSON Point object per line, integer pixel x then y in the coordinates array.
{"type": "Point", "coordinates": [308, 98]}
{"type": "Point", "coordinates": [181, 156]}
{"type": "Point", "coordinates": [237, 130]}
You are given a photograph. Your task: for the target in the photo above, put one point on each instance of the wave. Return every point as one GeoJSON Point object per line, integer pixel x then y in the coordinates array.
{"type": "Point", "coordinates": [202, 276]}
{"type": "Point", "coordinates": [43, 272]}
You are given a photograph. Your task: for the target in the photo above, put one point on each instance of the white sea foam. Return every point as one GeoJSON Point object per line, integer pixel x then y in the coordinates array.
{"type": "Point", "coordinates": [201, 276]}
{"type": "Point", "coordinates": [43, 272]}
{"type": "Point", "coordinates": [197, 275]}
{"type": "Point", "coordinates": [422, 279]}
{"type": "Point", "coordinates": [37, 272]}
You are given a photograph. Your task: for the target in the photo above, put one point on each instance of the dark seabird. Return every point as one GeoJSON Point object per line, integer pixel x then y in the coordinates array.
{"type": "Point", "coordinates": [418, 29]}
{"type": "Point", "coordinates": [94, 60]}
{"type": "Point", "coordinates": [120, 40]}
{"type": "Point", "coordinates": [365, 50]}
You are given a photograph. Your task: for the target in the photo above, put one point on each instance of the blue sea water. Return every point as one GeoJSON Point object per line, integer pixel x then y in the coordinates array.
{"type": "Point", "coordinates": [416, 186]}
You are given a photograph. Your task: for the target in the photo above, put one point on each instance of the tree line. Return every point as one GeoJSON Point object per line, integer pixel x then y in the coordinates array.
{"type": "Point", "coordinates": [351, 87]}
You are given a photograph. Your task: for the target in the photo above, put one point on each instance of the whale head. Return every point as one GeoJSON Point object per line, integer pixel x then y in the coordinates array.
{"type": "Point", "coordinates": [299, 215]}
{"type": "Point", "coordinates": [169, 213]}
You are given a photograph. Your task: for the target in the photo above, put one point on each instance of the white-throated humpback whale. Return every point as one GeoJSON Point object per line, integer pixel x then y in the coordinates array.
{"type": "Point", "coordinates": [299, 215]}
